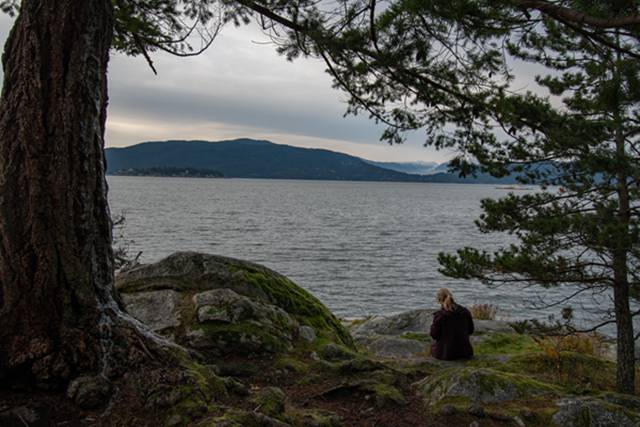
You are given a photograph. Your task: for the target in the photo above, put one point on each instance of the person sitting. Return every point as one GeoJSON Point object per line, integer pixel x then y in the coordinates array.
{"type": "Point", "coordinates": [451, 327]}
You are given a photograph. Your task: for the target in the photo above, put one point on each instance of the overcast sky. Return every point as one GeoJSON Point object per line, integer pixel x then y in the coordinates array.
{"type": "Point", "coordinates": [240, 88]}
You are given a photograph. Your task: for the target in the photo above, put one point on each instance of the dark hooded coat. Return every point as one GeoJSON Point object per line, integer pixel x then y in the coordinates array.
{"type": "Point", "coordinates": [450, 331]}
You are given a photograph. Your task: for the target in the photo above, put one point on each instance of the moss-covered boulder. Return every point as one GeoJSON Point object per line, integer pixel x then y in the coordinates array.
{"type": "Point", "coordinates": [605, 410]}
{"type": "Point", "coordinates": [481, 386]}
{"type": "Point", "coordinates": [222, 305]}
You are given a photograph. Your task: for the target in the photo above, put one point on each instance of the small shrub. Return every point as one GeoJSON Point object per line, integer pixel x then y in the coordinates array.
{"type": "Point", "coordinates": [483, 311]}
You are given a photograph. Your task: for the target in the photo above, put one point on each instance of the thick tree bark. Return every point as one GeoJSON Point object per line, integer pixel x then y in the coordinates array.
{"type": "Point", "coordinates": [56, 276]}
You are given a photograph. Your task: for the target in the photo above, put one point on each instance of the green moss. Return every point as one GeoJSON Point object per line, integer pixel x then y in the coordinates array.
{"type": "Point", "coordinates": [306, 308]}
{"type": "Point", "coordinates": [271, 402]}
{"type": "Point", "coordinates": [461, 403]}
{"type": "Point", "coordinates": [193, 272]}
{"type": "Point", "coordinates": [312, 378]}
{"type": "Point", "coordinates": [482, 384]}
{"type": "Point", "coordinates": [387, 395]}
{"type": "Point", "coordinates": [416, 336]}
{"type": "Point", "coordinates": [199, 388]}
{"type": "Point", "coordinates": [246, 337]}
{"type": "Point", "coordinates": [359, 364]}
{"type": "Point", "coordinates": [291, 364]}
{"type": "Point", "coordinates": [506, 344]}
{"type": "Point", "coordinates": [578, 373]}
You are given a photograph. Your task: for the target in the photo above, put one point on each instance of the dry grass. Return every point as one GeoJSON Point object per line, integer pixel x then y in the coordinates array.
{"type": "Point", "coordinates": [592, 344]}
{"type": "Point", "coordinates": [483, 311]}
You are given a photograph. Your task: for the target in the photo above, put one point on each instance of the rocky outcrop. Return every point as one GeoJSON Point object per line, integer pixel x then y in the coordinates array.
{"type": "Point", "coordinates": [479, 385]}
{"type": "Point", "coordinates": [606, 410]}
{"type": "Point", "coordinates": [220, 305]}
{"type": "Point", "coordinates": [406, 335]}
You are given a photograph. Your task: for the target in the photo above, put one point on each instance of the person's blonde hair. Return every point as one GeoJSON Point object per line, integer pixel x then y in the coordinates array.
{"type": "Point", "coordinates": [445, 297]}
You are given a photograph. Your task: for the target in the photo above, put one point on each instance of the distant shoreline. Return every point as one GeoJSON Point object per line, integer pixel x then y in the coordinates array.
{"type": "Point", "coordinates": [169, 172]}
{"type": "Point", "coordinates": [310, 179]}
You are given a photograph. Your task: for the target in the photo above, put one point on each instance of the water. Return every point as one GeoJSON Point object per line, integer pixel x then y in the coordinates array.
{"type": "Point", "coordinates": [361, 247]}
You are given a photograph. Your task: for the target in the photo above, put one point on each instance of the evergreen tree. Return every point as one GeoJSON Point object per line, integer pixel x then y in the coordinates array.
{"type": "Point", "coordinates": [57, 301]}
{"type": "Point", "coordinates": [445, 68]}
{"type": "Point", "coordinates": [585, 234]}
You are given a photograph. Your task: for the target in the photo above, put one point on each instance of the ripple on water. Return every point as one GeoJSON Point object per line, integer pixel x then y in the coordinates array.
{"type": "Point", "coordinates": [362, 248]}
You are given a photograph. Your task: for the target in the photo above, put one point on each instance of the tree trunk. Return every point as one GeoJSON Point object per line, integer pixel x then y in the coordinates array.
{"type": "Point", "coordinates": [625, 357]}
{"type": "Point", "coordinates": [625, 371]}
{"type": "Point", "coordinates": [56, 276]}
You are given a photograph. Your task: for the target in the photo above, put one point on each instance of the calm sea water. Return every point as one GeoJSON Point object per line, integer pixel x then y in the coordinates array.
{"type": "Point", "coordinates": [361, 247]}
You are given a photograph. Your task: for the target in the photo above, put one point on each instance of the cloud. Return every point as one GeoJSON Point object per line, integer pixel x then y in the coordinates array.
{"type": "Point", "coordinates": [240, 87]}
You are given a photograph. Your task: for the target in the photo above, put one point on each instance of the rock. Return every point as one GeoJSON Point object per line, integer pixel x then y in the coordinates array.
{"type": "Point", "coordinates": [418, 321]}
{"type": "Point", "coordinates": [239, 307]}
{"type": "Point", "coordinates": [630, 402]}
{"type": "Point", "coordinates": [480, 385]}
{"type": "Point", "coordinates": [387, 395]}
{"type": "Point", "coordinates": [474, 424]}
{"type": "Point", "coordinates": [396, 348]}
{"type": "Point", "coordinates": [236, 387]}
{"type": "Point", "coordinates": [157, 309]}
{"type": "Point", "coordinates": [492, 327]}
{"type": "Point", "coordinates": [89, 392]}
{"type": "Point", "coordinates": [271, 401]}
{"type": "Point", "coordinates": [234, 323]}
{"type": "Point", "coordinates": [406, 335]}
{"type": "Point", "coordinates": [224, 305]}
{"type": "Point", "coordinates": [333, 352]}
{"type": "Point", "coordinates": [307, 333]}
{"type": "Point", "coordinates": [410, 321]}
{"type": "Point", "coordinates": [594, 412]}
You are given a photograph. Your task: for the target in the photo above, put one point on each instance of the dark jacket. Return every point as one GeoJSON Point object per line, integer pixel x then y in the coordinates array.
{"type": "Point", "coordinates": [450, 331]}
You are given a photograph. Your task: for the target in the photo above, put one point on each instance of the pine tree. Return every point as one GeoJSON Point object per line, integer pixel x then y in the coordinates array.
{"type": "Point", "coordinates": [445, 68]}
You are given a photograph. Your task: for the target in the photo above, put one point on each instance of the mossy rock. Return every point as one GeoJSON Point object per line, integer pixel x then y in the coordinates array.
{"type": "Point", "coordinates": [597, 412]}
{"type": "Point", "coordinates": [230, 306]}
{"type": "Point", "coordinates": [175, 395]}
{"type": "Point", "coordinates": [481, 385]}
{"type": "Point", "coordinates": [271, 401]}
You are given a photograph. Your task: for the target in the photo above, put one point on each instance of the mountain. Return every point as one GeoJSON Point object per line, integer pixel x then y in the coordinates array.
{"type": "Point", "coordinates": [248, 158]}
{"type": "Point", "coordinates": [417, 168]}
